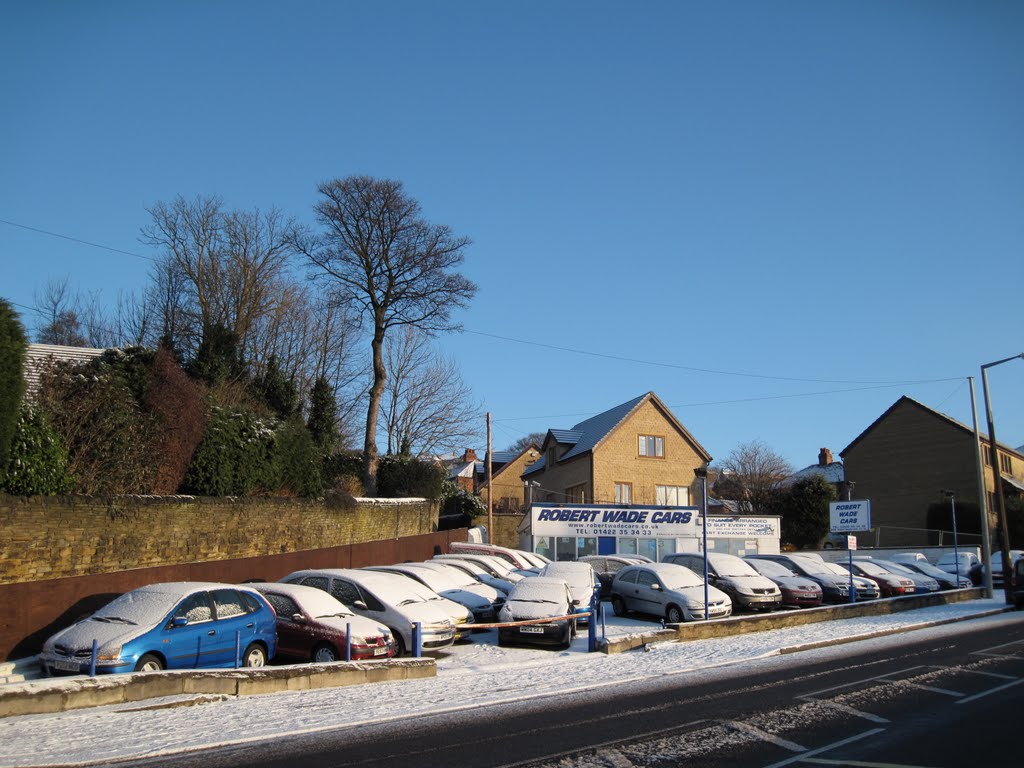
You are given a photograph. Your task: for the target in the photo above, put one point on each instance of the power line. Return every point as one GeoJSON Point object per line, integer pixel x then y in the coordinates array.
{"type": "Point", "coordinates": [694, 369]}
{"type": "Point", "coordinates": [75, 240]}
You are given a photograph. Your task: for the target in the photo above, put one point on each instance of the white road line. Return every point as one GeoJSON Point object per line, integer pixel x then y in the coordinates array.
{"type": "Point", "coordinates": [988, 674]}
{"type": "Point", "coordinates": [850, 710]}
{"type": "Point", "coordinates": [859, 763]}
{"type": "Point", "coordinates": [826, 748]}
{"type": "Point", "coordinates": [997, 689]}
{"type": "Point", "coordinates": [867, 680]}
{"type": "Point", "coordinates": [920, 687]}
{"type": "Point", "coordinates": [988, 651]}
{"type": "Point", "coordinates": [764, 735]}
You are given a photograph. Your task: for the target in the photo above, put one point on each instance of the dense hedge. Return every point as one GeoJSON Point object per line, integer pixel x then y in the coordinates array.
{"type": "Point", "coordinates": [38, 464]}
{"type": "Point", "coordinates": [12, 382]}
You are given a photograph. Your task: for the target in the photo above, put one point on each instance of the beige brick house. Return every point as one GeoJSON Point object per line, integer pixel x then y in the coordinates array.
{"type": "Point", "coordinates": [635, 453]}
{"type": "Point", "coordinates": [905, 459]}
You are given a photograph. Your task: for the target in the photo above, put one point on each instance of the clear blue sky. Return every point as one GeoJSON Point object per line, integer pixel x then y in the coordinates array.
{"type": "Point", "coordinates": [778, 216]}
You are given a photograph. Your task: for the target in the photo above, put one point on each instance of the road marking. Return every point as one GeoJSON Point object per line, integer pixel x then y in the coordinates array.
{"type": "Point", "coordinates": [850, 710]}
{"type": "Point", "coordinates": [764, 735]}
{"type": "Point", "coordinates": [997, 689]}
{"type": "Point", "coordinates": [826, 748]}
{"type": "Point", "coordinates": [860, 763]}
{"type": "Point", "coordinates": [918, 686]}
{"type": "Point", "coordinates": [990, 651]}
{"type": "Point", "coordinates": [867, 680]}
{"type": "Point", "coordinates": [987, 674]}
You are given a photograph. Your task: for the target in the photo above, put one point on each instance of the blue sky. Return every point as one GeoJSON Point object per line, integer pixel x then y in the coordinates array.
{"type": "Point", "coordinates": [778, 216]}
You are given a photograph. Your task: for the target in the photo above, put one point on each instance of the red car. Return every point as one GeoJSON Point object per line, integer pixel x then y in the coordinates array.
{"type": "Point", "coordinates": [311, 626]}
{"type": "Point", "coordinates": [889, 584]}
{"type": "Point", "coordinates": [797, 591]}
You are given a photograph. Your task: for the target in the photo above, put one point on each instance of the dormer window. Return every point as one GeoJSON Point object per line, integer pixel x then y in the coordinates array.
{"type": "Point", "coordinates": [652, 446]}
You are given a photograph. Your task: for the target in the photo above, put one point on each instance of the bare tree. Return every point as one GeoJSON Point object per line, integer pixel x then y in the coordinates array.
{"type": "Point", "coordinates": [524, 442]}
{"type": "Point", "coordinates": [394, 267]}
{"type": "Point", "coordinates": [752, 472]}
{"type": "Point", "coordinates": [426, 406]}
{"type": "Point", "coordinates": [60, 308]}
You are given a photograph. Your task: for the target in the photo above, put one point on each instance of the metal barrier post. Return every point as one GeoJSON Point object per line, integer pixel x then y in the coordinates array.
{"type": "Point", "coordinates": [238, 648]}
{"type": "Point", "coordinates": [348, 641]}
{"type": "Point", "coordinates": [417, 639]}
{"type": "Point", "coordinates": [604, 629]}
{"type": "Point", "coordinates": [92, 659]}
{"type": "Point", "coordinates": [592, 632]}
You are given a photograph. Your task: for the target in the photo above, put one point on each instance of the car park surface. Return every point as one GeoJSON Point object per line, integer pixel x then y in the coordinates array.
{"type": "Point", "coordinates": [671, 591]}
{"type": "Point", "coordinates": [392, 600]}
{"type": "Point", "coordinates": [181, 625]}
{"type": "Point", "coordinates": [539, 597]}
{"type": "Point", "coordinates": [313, 626]}
{"type": "Point", "coordinates": [797, 591]}
{"type": "Point", "coordinates": [748, 589]}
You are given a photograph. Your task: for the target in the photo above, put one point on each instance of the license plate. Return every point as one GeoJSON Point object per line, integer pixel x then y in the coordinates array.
{"type": "Point", "coordinates": [380, 651]}
{"type": "Point", "coordinates": [67, 666]}
{"type": "Point", "coordinates": [532, 630]}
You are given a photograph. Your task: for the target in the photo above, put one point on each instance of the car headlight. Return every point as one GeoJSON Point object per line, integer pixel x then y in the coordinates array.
{"type": "Point", "coordinates": [109, 653]}
{"type": "Point", "coordinates": [695, 606]}
{"type": "Point", "coordinates": [744, 590]}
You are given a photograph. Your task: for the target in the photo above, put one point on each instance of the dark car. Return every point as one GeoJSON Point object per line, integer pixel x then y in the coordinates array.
{"type": "Point", "coordinates": [890, 584]}
{"type": "Point", "coordinates": [538, 597]}
{"type": "Point", "coordinates": [946, 579]}
{"type": "Point", "coordinates": [747, 588]}
{"type": "Point", "coordinates": [834, 588]}
{"type": "Point", "coordinates": [797, 591]}
{"type": "Point", "coordinates": [313, 626]}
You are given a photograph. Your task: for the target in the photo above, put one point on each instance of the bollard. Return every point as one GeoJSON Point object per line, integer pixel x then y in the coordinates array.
{"type": "Point", "coordinates": [238, 647]}
{"type": "Point", "coordinates": [604, 629]}
{"type": "Point", "coordinates": [348, 641]}
{"type": "Point", "coordinates": [592, 632]}
{"type": "Point", "coordinates": [92, 659]}
{"type": "Point", "coordinates": [417, 639]}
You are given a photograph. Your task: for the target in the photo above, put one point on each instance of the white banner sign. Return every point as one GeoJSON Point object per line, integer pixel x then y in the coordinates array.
{"type": "Point", "coordinates": [596, 520]}
{"type": "Point", "coordinates": [848, 516]}
{"type": "Point", "coordinates": [741, 527]}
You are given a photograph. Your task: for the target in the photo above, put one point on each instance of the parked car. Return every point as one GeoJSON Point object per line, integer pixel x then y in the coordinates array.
{"type": "Point", "coordinates": [976, 573]}
{"type": "Point", "coordinates": [866, 589]}
{"type": "Point", "coordinates": [958, 562]}
{"type": "Point", "coordinates": [889, 584]}
{"type": "Point", "coordinates": [584, 585]}
{"type": "Point", "coordinates": [494, 565]}
{"type": "Point", "coordinates": [453, 584]}
{"type": "Point", "coordinates": [392, 600]}
{"type": "Point", "coordinates": [945, 579]}
{"type": "Point", "coordinates": [312, 626]}
{"type": "Point", "coordinates": [748, 590]}
{"type": "Point", "coordinates": [922, 584]}
{"type": "Point", "coordinates": [835, 588]}
{"type": "Point", "coordinates": [184, 625]}
{"type": "Point", "coordinates": [539, 598]}
{"type": "Point", "coordinates": [517, 558]}
{"type": "Point", "coordinates": [797, 591]}
{"type": "Point", "coordinates": [664, 589]}
{"type": "Point", "coordinates": [606, 566]}
{"type": "Point", "coordinates": [1018, 580]}
{"type": "Point", "coordinates": [908, 557]}
{"type": "Point", "coordinates": [478, 572]}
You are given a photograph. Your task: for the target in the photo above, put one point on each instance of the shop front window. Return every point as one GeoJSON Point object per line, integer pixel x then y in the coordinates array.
{"type": "Point", "coordinates": [586, 545]}
{"type": "Point", "coordinates": [542, 546]}
{"type": "Point", "coordinates": [626, 546]}
{"type": "Point", "coordinates": [565, 548]}
{"type": "Point", "coordinates": [665, 547]}
{"type": "Point", "coordinates": [648, 548]}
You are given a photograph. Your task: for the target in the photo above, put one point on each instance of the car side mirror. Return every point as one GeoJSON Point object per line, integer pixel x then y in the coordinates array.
{"type": "Point", "coordinates": [656, 587]}
{"type": "Point", "coordinates": [360, 605]}
{"type": "Point", "coordinates": [179, 621]}
{"type": "Point", "coordinates": [298, 618]}
{"type": "Point", "coordinates": [575, 602]}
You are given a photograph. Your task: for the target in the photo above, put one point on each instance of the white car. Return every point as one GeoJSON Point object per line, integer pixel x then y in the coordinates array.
{"type": "Point", "coordinates": [949, 562]}
{"type": "Point", "coordinates": [393, 600]}
{"type": "Point", "coordinates": [583, 583]}
{"type": "Point", "coordinates": [453, 584]}
{"type": "Point", "coordinates": [664, 589]}
{"type": "Point", "coordinates": [478, 572]}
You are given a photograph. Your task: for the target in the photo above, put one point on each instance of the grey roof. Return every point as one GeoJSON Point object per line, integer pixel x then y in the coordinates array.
{"type": "Point", "coordinates": [570, 436]}
{"type": "Point", "coordinates": [833, 472]}
{"type": "Point", "coordinates": [38, 356]}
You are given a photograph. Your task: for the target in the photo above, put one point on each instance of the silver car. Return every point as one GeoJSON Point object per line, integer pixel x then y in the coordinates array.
{"type": "Point", "coordinates": [664, 589]}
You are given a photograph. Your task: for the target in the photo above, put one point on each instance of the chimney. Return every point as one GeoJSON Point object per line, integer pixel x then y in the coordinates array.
{"type": "Point", "coordinates": [469, 455]}
{"type": "Point", "coordinates": [824, 457]}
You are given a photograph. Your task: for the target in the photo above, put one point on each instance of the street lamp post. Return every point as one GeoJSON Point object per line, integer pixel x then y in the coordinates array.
{"type": "Point", "coordinates": [986, 538]}
{"type": "Point", "coordinates": [1004, 543]}
{"type": "Point", "coordinates": [702, 473]}
{"type": "Point", "coordinates": [951, 495]}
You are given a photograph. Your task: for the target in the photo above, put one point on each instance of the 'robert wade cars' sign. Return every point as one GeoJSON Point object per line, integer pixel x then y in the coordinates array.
{"type": "Point", "coordinates": [596, 520]}
{"type": "Point", "coordinates": [849, 516]}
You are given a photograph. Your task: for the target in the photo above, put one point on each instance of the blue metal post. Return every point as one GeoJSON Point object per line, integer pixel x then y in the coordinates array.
{"type": "Point", "coordinates": [592, 631]}
{"type": "Point", "coordinates": [853, 588]}
{"type": "Point", "coordinates": [604, 629]}
{"type": "Point", "coordinates": [92, 659]}
{"type": "Point", "coordinates": [348, 641]}
{"type": "Point", "coordinates": [417, 639]}
{"type": "Point", "coordinates": [238, 648]}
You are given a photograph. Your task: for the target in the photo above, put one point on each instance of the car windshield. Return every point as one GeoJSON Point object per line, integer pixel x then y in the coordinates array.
{"type": "Point", "coordinates": [896, 568]}
{"type": "Point", "coordinates": [771, 568]}
{"type": "Point", "coordinates": [396, 589]}
{"type": "Point", "coordinates": [733, 566]}
{"type": "Point", "coordinates": [435, 580]}
{"type": "Point", "coordinates": [816, 567]}
{"type": "Point", "coordinates": [458, 579]}
{"type": "Point", "coordinates": [873, 568]}
{"type": "Point", "coordinates": [930, 570]}
{"type": "Point", "coordinates": [140, 606]}
{"type": "Point", "coordinates": [680, 577]}
{"type": "Point", "coordinates": [318, 603]}
{"type": "Point", "coordinates": [576, 575]}
{"type": "Point", "coordinates": [533, 591]}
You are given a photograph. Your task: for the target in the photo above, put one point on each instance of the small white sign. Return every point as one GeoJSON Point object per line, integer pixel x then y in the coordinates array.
{"type": "Point", "coordinates": [851, 543]}
{"type": "Point", "coordinates": [849, 516]}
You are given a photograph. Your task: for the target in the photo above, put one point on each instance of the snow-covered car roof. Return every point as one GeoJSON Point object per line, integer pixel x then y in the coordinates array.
{"type": "Point", "coordinates": [315, 601]}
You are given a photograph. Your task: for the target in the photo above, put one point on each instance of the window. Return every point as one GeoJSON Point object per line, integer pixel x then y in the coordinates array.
{"type": "Point", "coordinates": [285, 607]}
{"type": "Point", "coordinates": [576, 494]}
{"type": "Point", "coordinates": [585, 545]}
{"type": "Point", "coordinates": [623, 493]}
{"type": "Point", "coordinates": [565, 548]}
{"type": "Point", "coordinates": [542, 546]}
{"type": "Point", "coordinates": [646, 579]}
{"type": "Point", "coordinates": [345, 592]}
{"type": "Point", "coordinates": [665, 547]}
{"type": "Point", "coordinates": [195, 608]}
{"type": "Point", "coordinates": [671, 495]}
{"type": "Point", "coordinates": [227, 603]}
{"type": "Point", "coordinates": [652, 446]}
{"type": "Point", "coordinates": [1006, 463]}
{"type": "Point", "coordinates": [648, 548]}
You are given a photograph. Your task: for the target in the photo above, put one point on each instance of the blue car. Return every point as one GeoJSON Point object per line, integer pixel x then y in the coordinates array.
{"type": "Point", "coordinates": [184, 625]}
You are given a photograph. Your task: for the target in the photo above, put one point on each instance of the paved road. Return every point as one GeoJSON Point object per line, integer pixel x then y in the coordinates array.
{"type": "Point", "coordinates": [931, 698]}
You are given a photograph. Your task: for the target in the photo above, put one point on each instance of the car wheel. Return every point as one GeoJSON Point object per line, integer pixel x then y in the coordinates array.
{"type": "Point", "coordinates": [619, 606]}
{"type": "Point", "coordinates": [674, 615]}
{"type": "Point", "coordinates": [149, 662]}
{"type": "Point", "coordinates": [567, 640]}
{"type": "Point", "coordinates": [254, 656]}
{"type": "Point", "coordinates": [325, 653]}
{"type": "Point", "coordinates": [400, 650]}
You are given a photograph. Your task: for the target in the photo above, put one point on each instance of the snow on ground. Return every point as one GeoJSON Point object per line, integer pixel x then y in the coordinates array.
{"type": "Point", "coordinates": [470, 675]}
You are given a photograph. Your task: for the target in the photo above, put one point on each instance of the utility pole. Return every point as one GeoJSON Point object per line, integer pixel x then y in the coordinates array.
{"type": "Point", "coordinates": [490, 491]}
